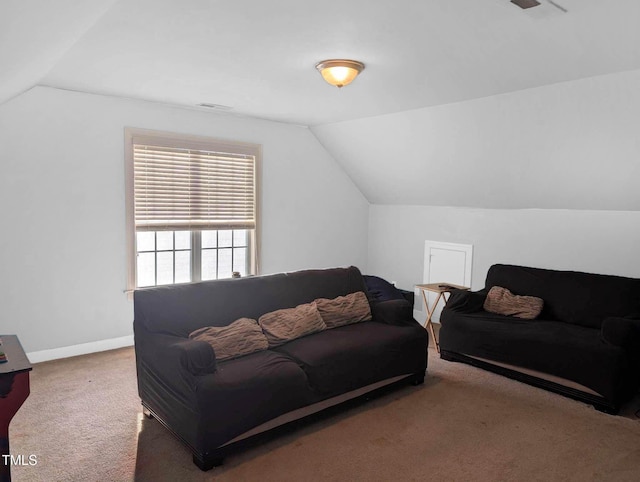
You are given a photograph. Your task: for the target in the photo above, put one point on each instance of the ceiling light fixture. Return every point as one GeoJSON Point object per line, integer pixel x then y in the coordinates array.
{"type": "Point", "coordinates": [339, 72]}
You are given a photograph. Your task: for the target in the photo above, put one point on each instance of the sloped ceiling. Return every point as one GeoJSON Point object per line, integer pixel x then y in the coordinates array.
{"type": "Point", "coordinates": [35, 35]}
{"type": "Point", "coordinates": [257, 57]}
{"type": "Point", "coordinates": [572, 145]}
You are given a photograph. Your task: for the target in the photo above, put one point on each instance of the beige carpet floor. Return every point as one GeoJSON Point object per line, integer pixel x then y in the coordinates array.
{"type": "Point", "coordinates": [83, 422]}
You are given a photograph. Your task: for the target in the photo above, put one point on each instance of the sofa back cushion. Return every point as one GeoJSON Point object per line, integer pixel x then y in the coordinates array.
{"type": "Point", "coordinates": [501, 301]}
{"type": "Point", "coordinates": [344, 310]}
{"type": "Point", "coordinates": [570, 296]}
{"type": "Point", "coordinates": [240, 338]}
{"type": "Point", "coordinates": [181, 309]}
{"type": "Point", "coordinates": [284, 325]}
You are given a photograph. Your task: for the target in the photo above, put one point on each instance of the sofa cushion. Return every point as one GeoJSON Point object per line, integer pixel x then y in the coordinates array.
{"type": "Point", "coordinates": [241, 337]}
{"type": "Point", "coordinates": [344, 310]}
{"type": "Point", "coordinates": [503, 302]}
{"type": "Point", "coordinates": [281, 326]}
{"type": "Point", "coordinates": [352, 356]}
{"type": "Point", "coordinates": [247, 391]}
{"type": "Point", "coordinates": [569, 351]}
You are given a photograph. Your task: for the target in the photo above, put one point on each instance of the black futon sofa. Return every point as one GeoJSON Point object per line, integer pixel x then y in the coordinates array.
{"type": "Point", "coordinates": [217, 407]}
{"type": "Point", "coordinates": [585, 344]}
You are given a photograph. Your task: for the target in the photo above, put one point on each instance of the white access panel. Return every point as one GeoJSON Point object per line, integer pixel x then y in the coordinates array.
{"type": "Point", "coordinates": [443, 263]}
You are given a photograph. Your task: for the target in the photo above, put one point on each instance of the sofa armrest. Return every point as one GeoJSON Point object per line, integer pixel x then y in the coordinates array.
{"type": "Point", "coordinates": [463, 301]}
{"type": "Point", "coordinates": [174, 359]}
{"type": "Point", "coordinates": [392, 312]}
{"type": "Point", "coordinates": [623, 332]}
{"type": "Point", "coordinates": [408, 295]}
{"type": "Point", "coordinates": [196, 356]}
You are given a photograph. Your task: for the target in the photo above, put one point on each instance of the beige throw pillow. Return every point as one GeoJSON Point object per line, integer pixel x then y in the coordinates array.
{"type": "Point", "coordinates": [241, 337]}
{"type": "Point", "coordinates": [281, 326]}
{"type": "Point", "coordinates": [344, 310]}
{"type": "Point", "coordinates": [503, 302]}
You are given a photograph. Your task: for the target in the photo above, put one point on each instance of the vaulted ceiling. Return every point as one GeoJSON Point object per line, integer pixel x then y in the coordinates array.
{"type": "Point", "coordinates": [257, 58]}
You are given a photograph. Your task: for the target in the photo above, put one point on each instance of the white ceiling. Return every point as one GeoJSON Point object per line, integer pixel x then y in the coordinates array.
{"type": "Point", "coordinates": [258, 57]}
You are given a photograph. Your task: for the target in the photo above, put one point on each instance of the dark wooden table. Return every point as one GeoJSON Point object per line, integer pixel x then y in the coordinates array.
{"type": "Point", "coordinates": [14, 390]}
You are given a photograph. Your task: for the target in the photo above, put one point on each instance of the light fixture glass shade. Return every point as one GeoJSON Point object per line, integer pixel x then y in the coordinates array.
{"type": "Point", "coordinates": [340, 72]}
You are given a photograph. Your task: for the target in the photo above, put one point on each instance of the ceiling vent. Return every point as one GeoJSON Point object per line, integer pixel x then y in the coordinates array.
{"type": "Point", "coordinates": [525, 3]}
{"type": "Point", "coordinates": [215, 106]}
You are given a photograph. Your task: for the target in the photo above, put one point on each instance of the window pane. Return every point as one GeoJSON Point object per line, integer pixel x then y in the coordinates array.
{"type": "Point", "coordinates": [240, 260]}
{"type": "Point", "coordinates": [208, 264]}
{"type": "Point", "coordinates": [240, 237]}
{"type": "Point", "coordinates": [183, 266]}
{"type": "Point", "coordinates": [146, 240]}
{"type": "Point", "coordinates": [224, 238]}
{"type": "Point", "coordinates": [164, 240]}
{"type": "Point", "coordinates": [224, 263]}
{"type": "Point", "coordinates": [209, 239]}
{"type": "Point", "coordinates": [146, 269]}
{"type": "Point", "coordinates": [165, 268]}
{"type": "Point", "coordinates": [183, 239]}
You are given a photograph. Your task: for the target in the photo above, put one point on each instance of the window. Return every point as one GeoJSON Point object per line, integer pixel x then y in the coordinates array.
{"type": "Point", "coordinates": [191, 208]}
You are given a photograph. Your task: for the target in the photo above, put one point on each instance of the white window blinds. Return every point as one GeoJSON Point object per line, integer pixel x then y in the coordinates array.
{"type": "Point", "coordinates": [180, 188]}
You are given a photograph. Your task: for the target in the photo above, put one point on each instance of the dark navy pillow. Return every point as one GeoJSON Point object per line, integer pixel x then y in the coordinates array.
{"type": "Point", "coordinates": [381, 290]}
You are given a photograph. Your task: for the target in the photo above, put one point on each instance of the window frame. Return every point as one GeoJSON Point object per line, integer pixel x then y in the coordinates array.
{"type": "Point", "coordinates": [170, 139]}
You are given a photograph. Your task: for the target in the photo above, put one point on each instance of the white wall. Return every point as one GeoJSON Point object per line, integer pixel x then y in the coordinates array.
{"type": "Point", "coordinates": [594, 241]}
{"type": "Point", "coordinates": [572, 145]}
{"type": "Point", "coordinates": [62, 249]}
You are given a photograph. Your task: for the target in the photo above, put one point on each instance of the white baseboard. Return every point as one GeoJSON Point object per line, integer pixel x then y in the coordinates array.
{"type": "Point", "coordinates": [82, 349]}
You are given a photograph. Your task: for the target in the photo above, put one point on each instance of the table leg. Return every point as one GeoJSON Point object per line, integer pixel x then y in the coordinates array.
{"type": "Point", "coordinates": [429, 324]}
{"type": "Point", "coordinates": [10, 402]}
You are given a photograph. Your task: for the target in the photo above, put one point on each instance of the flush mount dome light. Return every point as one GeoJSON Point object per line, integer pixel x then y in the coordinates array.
{"type": "Point", "coordinates": [339, 72]}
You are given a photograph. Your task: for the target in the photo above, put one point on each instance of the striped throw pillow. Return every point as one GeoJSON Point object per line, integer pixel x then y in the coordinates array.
{"type": "Point", "coordinates": [503, 302]}
{"type": "Point", "coordinates": [344, 310]}
{"type": "Point", "coordinates": [281, 326]}
{"type": "Point", "coordinates": [241, 337]}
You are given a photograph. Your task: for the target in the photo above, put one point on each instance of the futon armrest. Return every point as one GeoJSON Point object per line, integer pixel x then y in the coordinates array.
{"type": "Point", "coordinates": [392, 312]}
{"type": "Point", "coordinates": [463, 301]}
{"type": "Point", "coordinates": [623, 332]}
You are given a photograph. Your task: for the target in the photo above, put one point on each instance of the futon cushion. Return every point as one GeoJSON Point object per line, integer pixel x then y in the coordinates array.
{"type": "Point", "coordinates": [502, 302]}
{"type": "Point", "coordinates": [241, 337]}
{"type": "Point", "coordinates": [352, 356]}
{"type": "Point", "coordinates": [281, 326]}
{"type": "Point", "coordinates": [344, 310]}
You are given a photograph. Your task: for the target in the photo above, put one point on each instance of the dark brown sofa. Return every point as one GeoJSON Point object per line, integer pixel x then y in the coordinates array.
{"type": "Point", "coordinates": [585, 344]}
{"type": "Point", "coordinates": [216, 407]}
